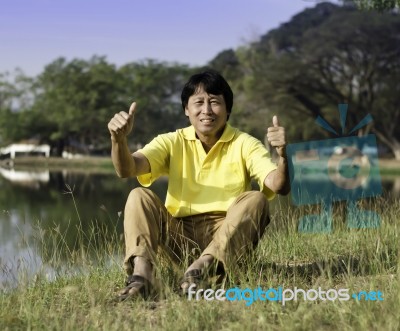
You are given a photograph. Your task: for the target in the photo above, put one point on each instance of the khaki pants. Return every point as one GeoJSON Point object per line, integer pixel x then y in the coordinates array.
{"type": "Point", "coordinates": [226, 236]}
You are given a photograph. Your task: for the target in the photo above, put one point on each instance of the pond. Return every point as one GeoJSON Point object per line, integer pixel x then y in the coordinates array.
{"type": "Point", "coordinates": [67, 202]}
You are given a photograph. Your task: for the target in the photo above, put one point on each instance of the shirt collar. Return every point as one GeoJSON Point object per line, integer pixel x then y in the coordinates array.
{"type": "Point", "coordinates": [189, 133]}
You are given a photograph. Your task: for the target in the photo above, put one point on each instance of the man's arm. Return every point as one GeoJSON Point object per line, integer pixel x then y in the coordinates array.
{"type": "Point", "coordinates": [278, 180]}
{"type": "Point", "coordinates": [125, 163]}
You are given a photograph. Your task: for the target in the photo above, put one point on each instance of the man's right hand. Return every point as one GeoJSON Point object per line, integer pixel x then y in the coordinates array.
{"type": "Point", "coordinates": [122, 123]}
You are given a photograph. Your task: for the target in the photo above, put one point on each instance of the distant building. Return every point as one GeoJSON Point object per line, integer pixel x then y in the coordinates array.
{"type": "Point", "coordinates": [25, 148]}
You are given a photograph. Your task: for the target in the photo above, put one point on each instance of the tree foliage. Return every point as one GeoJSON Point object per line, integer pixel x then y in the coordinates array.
{"type": "Point", "coordinates": [74, 99]}
{"type": "Point", "coordinates": [323, 56]}
{"type": "Point", "coordinates": [73, 102]}
{"type": "Point", "coordinates": [378, 5]}
{"type": "Point", "coordinates": [156, 87]}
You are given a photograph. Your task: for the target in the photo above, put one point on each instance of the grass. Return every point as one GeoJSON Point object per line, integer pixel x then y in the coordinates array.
{"type": "Point", "coordinates": [98, 164]}
{"type": "Point", "coordinates": [87, 278]}
{"type": "Point", "coordinates": [103, 163]}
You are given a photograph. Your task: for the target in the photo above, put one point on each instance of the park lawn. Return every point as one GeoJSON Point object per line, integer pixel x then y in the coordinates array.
{"type": "Point", "coordinates": [355, 259]}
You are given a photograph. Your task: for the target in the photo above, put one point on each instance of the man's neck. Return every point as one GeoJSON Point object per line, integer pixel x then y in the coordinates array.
{"type": "Point", "coordinates": [207, 147]}
{"type": "Point", "coordinates": [209, 141]}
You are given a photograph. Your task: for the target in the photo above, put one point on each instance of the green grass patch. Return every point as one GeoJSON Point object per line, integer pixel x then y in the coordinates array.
{"type": "Point", "coordinates": [84, 163]}
{"type": "Point", "coordinates": [88, 275]}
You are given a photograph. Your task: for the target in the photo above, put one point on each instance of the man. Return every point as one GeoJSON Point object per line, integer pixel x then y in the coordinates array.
{"type": "Point", "coordinates": [209, 204]}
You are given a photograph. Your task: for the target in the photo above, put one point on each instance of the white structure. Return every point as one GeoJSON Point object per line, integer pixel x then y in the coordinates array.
{"type": "Point", "coordinates": [25, 176]}
{"type": "Point", "coordinates": [13, 149]}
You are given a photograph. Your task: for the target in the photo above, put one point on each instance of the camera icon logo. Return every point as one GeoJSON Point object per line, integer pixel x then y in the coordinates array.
{"type": "Point", "coordinates": [338, 169]}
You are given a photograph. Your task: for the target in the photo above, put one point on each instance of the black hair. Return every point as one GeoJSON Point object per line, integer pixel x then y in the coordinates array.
{"type": "Point", "coordinates": [213, 83]}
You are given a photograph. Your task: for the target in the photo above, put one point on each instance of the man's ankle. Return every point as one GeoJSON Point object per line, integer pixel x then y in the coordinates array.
{"type": "Point", "coordinates": [142, 267]}
{"type": "Point", "coordinates": [208, 258]}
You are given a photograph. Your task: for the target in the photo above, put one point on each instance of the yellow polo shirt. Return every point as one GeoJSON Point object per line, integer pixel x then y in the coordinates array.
{"type": "Point", "coordinates": [200, 182]}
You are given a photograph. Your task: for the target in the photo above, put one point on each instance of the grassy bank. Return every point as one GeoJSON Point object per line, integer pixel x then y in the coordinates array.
{"type": "Point", "coordinates": [389, 167]}
{"type": "Point", "coordinates": [358, 260]}
{"type": "Point", "coordinates": [386, 166]}
{"type": "Point", "coordinates": [86, 163]}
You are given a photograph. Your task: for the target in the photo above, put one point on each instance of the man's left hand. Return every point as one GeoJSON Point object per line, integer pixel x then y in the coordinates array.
{"type": "Point", "coordinates": [276, 137]}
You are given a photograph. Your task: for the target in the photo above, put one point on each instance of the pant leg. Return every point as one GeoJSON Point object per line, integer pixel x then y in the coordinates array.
{"type": "Point", "coordinates": [148, 225]}
{"type": "Point", "coordinates": [241, 230]}
{"type": "Point", "coordinates": [202, 227]}
{"type": "Point", "coordinates": [199, 230]}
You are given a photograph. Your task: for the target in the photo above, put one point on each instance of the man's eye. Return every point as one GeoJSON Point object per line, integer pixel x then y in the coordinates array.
{"type": "Point", "coordinates": [215, 102]}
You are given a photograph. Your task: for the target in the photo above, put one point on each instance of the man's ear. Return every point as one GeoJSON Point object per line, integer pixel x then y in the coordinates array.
{"type": "Point", "coordinates": [186, 112]}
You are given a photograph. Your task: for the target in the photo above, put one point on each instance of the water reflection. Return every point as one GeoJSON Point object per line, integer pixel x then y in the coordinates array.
{"type": "Point", "coordinates": [32, 179]}
{"type": "Point", "coordinates": [64, 202]}
{"type": "Point", "coordinates": [68, 202]}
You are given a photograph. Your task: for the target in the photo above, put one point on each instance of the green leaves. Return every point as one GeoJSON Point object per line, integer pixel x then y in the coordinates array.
{"type": "Point", "coordinates": [378, 5]}
{"type": "Point", "coordinates": [72, 102]}
{"type": "Point", "coordinates": [324, 56]}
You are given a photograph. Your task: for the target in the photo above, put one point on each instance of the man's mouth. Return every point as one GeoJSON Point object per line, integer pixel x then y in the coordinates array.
{"type": "Point", "coordinates": [207, 120]}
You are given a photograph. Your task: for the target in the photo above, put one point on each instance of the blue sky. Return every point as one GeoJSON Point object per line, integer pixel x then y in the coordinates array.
{"type": "Point", "coordinates": [33, 33]}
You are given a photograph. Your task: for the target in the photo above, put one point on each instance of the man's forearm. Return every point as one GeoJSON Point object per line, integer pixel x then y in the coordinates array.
{"type": "Point", "coordinates": [278, 180]}
{"type": "Point", "coordinates": [281, 178]}
{"type": "Point", "coordinates": [122, 159]}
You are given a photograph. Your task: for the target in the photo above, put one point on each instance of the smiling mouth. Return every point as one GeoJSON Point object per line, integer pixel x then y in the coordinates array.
{"type": "Point", "coordinates": [207, 120]}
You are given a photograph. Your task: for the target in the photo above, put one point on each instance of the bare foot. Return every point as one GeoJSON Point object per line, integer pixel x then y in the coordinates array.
{"type": "Point", "coordinates": [136, 286]}
{"type": "Point", "coordinates": [140, 282]}
{"type": "Point", "coordinates": [191, 274]}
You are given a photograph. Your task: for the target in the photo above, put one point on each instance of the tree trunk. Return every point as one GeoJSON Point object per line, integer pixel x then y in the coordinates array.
{"type": "Point", "coordinates": [59, 147]}
{"type": "Point", "coordinates": [391, 142]}
{"type": "Point", "coordinates": [396, 153]}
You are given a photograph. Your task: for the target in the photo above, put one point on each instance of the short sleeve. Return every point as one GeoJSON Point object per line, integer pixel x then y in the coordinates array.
{"type": "Point", "coordinates": [158, 153]}
{"type": "Point", "coordinates": [258, 163]}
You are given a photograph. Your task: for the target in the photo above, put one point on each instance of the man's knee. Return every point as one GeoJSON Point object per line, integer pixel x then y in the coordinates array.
{"type": "Point", "coordinates": [137, 195]}
{"type": "Point", "coordinates": [256, 200]}
{"type": "Point", "coordinates": [256, 210]}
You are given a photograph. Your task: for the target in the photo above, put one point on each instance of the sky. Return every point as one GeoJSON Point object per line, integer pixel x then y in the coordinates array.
{"type": "Point", "coordinates": [33, 33]}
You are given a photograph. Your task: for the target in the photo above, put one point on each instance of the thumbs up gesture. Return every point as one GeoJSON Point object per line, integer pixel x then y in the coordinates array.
{"type": "Point", "coordinates": [122, 123]}
{"type": "Point", "coordinates": [276, 137]}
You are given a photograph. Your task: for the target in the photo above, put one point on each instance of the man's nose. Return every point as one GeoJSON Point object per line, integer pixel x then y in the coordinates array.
{"type": "Point", "coordinates": [207, 108]}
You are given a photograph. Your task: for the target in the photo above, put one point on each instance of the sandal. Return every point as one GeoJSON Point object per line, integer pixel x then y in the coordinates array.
{"type": "Point", "coordinates": [197, 277]}
{"type": "Point", "coordinates": [194, 276]}
{"type": "Point", "coordinates": [145, 288]}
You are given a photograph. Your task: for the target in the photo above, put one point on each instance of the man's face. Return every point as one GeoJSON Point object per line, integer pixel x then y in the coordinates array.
{"type": "Point", "coordinates": [207, 113]}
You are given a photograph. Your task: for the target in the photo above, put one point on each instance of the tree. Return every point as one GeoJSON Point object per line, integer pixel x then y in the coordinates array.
{"type": "Point", "coordinates": [15, 98]}
{"type": "Point", "coordinates": [75, 99]}
{"type": "Point", "coordinates": [72, 102]}
{"type": "Point", "coordinates": [156, 87]}
{"type": "Point", "coordinates": [379, 5]}
{"type": "Point", "coordinates": [329, 55]}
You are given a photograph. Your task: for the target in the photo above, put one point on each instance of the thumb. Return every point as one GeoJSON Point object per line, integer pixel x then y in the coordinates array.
{"type": "Point", "coordinates": [132, 109]}
{"type": "Point", "coordinates": [275, 121]}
